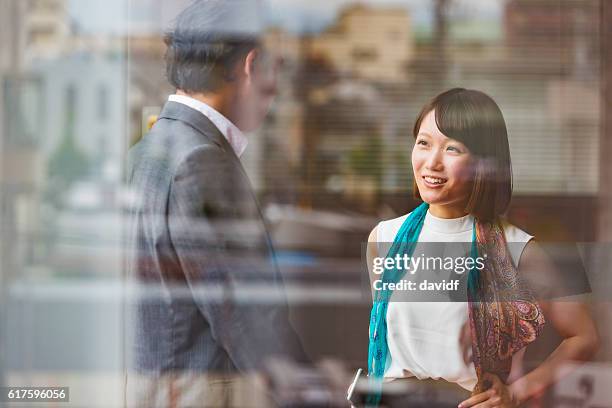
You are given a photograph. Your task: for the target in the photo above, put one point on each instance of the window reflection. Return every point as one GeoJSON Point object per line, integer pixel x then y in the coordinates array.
{"type": "Point", "coordinates": [81, 82]}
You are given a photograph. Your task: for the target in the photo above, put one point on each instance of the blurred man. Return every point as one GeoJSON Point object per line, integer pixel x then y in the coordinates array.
{"type": "Point", "coordinates": [212, 308]}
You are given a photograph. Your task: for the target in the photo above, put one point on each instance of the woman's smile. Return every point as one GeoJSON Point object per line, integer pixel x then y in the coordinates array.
{"type": "Point", "coordinates": [434, 181]}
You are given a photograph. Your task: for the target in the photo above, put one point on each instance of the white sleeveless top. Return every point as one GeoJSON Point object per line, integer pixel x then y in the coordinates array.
{"type": "Point", "coordinates": [423, 337]}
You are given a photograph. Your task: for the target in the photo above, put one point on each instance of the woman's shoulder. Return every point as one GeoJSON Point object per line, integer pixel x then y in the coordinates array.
{"type": "Point", "coordinates": [398, 220]}
{"type": "Point", "coordinates": [517, 240]}
{"type": "Point", "coordinates": [385, 230]}
{"type": "Point", "coordinates": [514, 233]}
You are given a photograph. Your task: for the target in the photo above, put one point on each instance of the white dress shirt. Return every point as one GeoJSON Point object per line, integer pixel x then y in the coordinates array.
{"type": "Point", "coordinates": [232, 134]}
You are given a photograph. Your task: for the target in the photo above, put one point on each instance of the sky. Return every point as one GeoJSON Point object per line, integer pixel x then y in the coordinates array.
{"type": "Point", "coordinates": [151, 16]}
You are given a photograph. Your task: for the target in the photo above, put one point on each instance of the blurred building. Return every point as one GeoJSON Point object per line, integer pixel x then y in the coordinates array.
{"type": "Point", "coordinates": [97, 107]}
{"type": "Point", "coordinates": [566, 31]}
{"type": "Point", "coordinates": [357, 122]}
{"type": "Point", "coordinates": [367, 42]}
{"type": "Point", "coordinates": [20, 159]}
{"type": "Point", "coordinates": [62, 103]}
{"type": "Point", "coordinates": [11, 15]}
{"type": "Point", "coordinates": [150, 17]}
{"type": "Point", "coordinates": [46, 28]}
{"type": "Point", "coordinates": [69, 72]}
{"type": "Point", "coordinates": [348, 122]}
{"type": "Point", "coordinates": [278, 145]}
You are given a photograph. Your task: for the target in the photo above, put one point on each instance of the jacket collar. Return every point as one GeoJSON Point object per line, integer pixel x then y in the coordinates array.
{"type": "Point", "coordinates": [198, 121]}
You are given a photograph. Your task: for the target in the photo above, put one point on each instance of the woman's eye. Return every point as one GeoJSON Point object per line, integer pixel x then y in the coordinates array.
{"type": "Point", "coordinates": [422, 142]}
{"type": "Point", "coordinates": [454, 149]}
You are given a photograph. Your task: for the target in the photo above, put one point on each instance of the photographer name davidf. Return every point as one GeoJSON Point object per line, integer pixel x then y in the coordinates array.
{"type": "Point", "coordinates": [424, 285]}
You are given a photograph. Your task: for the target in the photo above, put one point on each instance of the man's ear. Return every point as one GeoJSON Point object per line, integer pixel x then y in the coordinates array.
{"type": "Point", "coordinates": [251, 62]}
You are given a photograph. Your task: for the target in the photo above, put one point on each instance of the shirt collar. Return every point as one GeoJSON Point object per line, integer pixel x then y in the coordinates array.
{"type": "Point", "coordinates": [232, 134]}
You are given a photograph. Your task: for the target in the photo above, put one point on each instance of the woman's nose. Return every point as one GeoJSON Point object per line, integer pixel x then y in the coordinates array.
{"type": "Point", "coordinates": [434, 160]}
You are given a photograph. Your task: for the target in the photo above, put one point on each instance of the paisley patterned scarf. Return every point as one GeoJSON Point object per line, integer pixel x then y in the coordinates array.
{"type": "Point", "coordinates": [503, 315]}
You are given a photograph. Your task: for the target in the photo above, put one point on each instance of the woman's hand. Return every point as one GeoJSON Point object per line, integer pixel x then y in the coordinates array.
{"type": "Point", "coordinates": [499, 395]}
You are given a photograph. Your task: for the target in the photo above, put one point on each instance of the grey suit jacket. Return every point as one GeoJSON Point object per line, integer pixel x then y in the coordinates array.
{"type": "Point", "coordinates": [211, 297]}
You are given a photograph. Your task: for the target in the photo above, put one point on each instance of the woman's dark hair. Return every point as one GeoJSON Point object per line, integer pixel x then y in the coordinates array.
{"type": "Point", "coordinates": [474, 119]}
{"type": "Point", "coordinates": [205, 45]}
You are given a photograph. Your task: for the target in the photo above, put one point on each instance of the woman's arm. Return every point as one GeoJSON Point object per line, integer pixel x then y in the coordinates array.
{"type": "Point", "coordinates": [580, 341]}
{"type": "Point", "coordinates": [570, 318]}
{"type": "Point", "coordinates": [371, 253]}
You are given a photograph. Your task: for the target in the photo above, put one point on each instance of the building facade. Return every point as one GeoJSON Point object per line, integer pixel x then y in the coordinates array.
{"type": "Point", "coordinates": [367, 42]}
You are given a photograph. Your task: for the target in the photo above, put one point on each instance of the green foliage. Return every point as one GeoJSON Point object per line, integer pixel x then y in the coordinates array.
{"type": "Point", "coordinates": [366, 159]}
{"type": "Point", "coordinates": [67, 164]}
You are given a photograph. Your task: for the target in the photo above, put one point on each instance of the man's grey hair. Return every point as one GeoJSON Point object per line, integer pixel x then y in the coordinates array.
{"type": "Point", "coordinates": [208, 39]}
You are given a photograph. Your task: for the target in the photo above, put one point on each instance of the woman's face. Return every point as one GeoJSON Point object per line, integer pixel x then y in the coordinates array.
{"type": "Point", "coordinates": [443, 170]}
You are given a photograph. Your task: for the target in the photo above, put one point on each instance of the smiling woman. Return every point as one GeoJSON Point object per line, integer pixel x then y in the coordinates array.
{"type": "Point", "coordinates": [461, 157]}
{"type": "Point", "coordinates": [462, 172]}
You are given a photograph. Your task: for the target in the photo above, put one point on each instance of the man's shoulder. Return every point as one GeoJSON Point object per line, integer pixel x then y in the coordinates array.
{"type": "Point", "coordinates": [170, 142]}
{"type": "Point", "coordinates": [177, 136]}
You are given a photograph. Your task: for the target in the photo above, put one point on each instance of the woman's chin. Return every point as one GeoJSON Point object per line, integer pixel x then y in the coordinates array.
{"type": "Point", "coordinates": [432, 198]}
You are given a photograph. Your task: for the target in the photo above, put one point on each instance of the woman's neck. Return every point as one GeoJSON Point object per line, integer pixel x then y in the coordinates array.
{"type": "Point", "coordinates": [441, 211]}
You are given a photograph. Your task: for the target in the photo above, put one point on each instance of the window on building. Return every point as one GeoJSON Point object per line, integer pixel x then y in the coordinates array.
{"type": "Point", "coordinates": [364, 54]}
{"type": "Point", "coordinates": [102, 109]}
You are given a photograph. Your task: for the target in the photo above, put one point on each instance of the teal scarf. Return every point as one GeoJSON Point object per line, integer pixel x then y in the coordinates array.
{"type": "Point", "coordinates": [500, 327]}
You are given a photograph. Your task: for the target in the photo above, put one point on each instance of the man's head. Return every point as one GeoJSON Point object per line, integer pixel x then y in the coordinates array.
{"type": "Point", "coordinates": [215, 48]}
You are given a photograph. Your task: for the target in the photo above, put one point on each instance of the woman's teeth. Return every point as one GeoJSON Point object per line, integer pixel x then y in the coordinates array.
{"type": "Point", "coordinates": [434, 180]}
